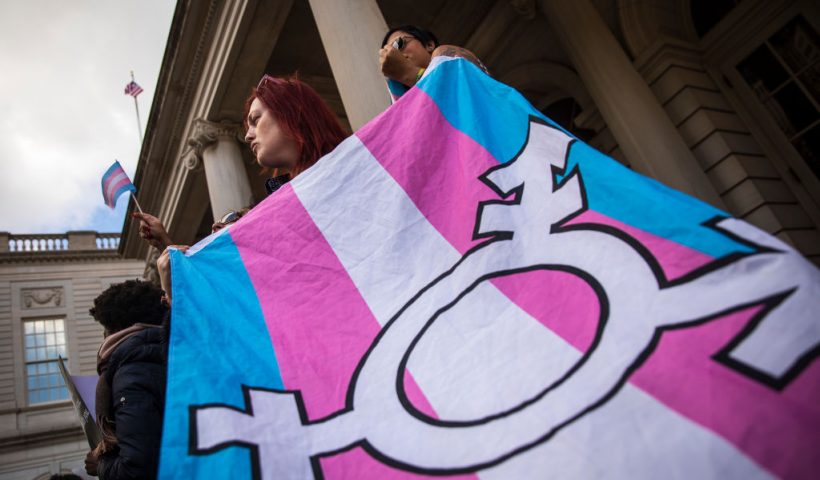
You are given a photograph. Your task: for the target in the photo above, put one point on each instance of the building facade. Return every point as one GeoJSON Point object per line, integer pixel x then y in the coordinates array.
{"type": "Point", "coordinates": [47, 284]}
{"type": "Point", "coordinates": [718, 99]}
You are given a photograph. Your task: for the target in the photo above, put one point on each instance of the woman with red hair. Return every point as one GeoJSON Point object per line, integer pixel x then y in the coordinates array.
{"type": "Point", "coordinates": [289, 128]}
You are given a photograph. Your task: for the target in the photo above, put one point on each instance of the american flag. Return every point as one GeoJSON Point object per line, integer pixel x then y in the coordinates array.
{"type": "Point", "coordinates": [133, 89]}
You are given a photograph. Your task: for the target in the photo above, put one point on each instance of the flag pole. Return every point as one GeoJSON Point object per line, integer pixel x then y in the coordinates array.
{"type": "Point", "coordinates": [136, 202]}
{"type": "Point", "coordinates": [137, 108]}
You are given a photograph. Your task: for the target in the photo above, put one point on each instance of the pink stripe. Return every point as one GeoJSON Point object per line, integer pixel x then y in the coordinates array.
{"type": "Point", "coordinates": [676, 259]}
{"type": "Point", "coordinates": [111, 190]}
{"type": "Point", "coordinates": [781, 430]}
{"type": "Point", "coordinates": [318, 322]}
{"type": "Point", "coordinates": [112, 174]}
{"type": "Point", "coordinates": [442, 182]}
{"type": "Point", "coordinates": [778, 430]}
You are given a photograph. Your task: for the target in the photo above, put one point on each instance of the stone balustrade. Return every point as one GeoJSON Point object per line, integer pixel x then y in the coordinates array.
{"type": "Point", "coordinates": [57, 242]}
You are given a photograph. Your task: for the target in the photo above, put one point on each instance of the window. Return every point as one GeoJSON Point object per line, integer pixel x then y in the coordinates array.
{"type": "Point", "coordinates": [708, 13]}
{"type": "Point", "coordinates": [44, 341]}
{"type": "Point", "coordinates": [784, 74]}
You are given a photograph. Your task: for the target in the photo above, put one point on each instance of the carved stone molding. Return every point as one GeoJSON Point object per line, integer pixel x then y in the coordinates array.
{"type": "Point", "coordinates": [192, 161]}
{"type": "Point", "coordinates": [42, 297]}
{"type": "Point", "coordinates": [204, 135]}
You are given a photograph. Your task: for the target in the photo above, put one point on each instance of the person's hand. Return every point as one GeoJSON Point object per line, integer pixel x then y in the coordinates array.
{"type": "Point", "coordinates": [92, 461]}
{"type": "Point", "coordinates": [164, 268]}
{"type": "Point", "coordinates": [152, 230]}
{"type": "Point", "coordinates": [395, 66]}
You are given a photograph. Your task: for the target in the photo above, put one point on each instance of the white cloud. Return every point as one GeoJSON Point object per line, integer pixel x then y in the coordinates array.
{"type": "Point", "coordinates": [63, 115]}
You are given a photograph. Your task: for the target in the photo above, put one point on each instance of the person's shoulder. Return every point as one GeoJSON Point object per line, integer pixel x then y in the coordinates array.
{"type": "Point", "coordinates": [144, 346]}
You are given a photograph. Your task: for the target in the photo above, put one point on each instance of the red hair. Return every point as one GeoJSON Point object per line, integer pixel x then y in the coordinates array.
{"type": "Point", "coordinates": [301, 114]}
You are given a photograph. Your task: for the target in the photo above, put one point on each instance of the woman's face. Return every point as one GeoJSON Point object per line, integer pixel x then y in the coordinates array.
{"type": "Point", "coordinates": [268, 142]}
{"type": "Point", "coordinates": [415, 51]}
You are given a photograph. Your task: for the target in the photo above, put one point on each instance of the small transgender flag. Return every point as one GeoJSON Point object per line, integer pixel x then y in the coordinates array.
{"type": "Point", "coordinates": [115, 182]}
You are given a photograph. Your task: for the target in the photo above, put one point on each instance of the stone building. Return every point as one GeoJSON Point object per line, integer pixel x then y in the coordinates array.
{"type": "Point", "coordinates": [717, 98]}
{"type": "Point", "coordinates": [47, 285]}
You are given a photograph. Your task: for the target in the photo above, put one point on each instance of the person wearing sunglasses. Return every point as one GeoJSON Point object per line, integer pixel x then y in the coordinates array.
{"type": "Point", "coordinates": [288, 128]}
{"type": "Point", "coordinates": [406, 53]}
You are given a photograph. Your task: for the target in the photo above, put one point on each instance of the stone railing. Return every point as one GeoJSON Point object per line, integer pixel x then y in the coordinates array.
{"type": "Point", "coordinates": [58, 242]}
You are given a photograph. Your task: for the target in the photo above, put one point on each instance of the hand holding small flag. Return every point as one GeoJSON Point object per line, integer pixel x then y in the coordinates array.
{"type": "Point", "coordinates": [115, 182]}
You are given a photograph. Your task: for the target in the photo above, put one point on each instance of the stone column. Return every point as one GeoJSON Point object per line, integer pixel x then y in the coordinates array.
{"type": "Point", "coordinates": [644, 132]}
{"type": "Point", "coordinates": [216, 146]}
{"type": "Point", "coordinates": [4, 242]}
{"type": "Point", "coordinates": [351, 31]}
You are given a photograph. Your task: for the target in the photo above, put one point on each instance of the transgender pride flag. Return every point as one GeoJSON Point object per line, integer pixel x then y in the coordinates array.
{"type": "Point", "coordinates": [462, 289]}
{"type": "Point", "coordinates": [115, 182]}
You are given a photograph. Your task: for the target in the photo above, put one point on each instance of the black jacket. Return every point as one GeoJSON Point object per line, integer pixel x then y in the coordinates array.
{"type": "Point", "coordinates": [136, 373]}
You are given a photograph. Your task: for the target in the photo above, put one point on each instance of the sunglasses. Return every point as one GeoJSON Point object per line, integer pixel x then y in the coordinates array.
{"type": "Point", "coordinates": [230, 217]}
{"type": "Point", "coordinates": [267, 80]}
{"type": "Point", "coordinates": [402, 42]}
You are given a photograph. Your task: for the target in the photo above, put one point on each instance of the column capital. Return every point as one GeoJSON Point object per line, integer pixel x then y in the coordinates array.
{"type": "Point", "coordinates": [206, 134]}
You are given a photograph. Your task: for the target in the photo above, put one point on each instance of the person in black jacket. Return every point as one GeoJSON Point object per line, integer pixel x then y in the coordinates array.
{"type": "Point", "coordinates": [131, 389]}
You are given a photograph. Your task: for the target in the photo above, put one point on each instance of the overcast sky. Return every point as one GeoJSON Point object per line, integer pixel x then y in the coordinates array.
{"type": "Point", "coordinates": [63, 115]}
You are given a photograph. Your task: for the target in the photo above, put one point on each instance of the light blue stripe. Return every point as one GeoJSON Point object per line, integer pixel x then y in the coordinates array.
{"type": "Point", "coordinates": [497, 116]}
{"type": "Point", "coordinates": [125, 188]}
{"type": "Point", "coordinates": [219, 342]}
{"type": "Point", "coordinates": [114, 167]}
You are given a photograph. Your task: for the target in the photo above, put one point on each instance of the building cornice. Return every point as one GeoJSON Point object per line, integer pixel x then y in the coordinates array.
{"type": "Point", "coordinates": [59, 257]}
{"type": "Point", "coordinates": [177, 88]}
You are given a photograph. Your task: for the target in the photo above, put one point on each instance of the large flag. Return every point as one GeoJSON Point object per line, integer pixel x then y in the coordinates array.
{"type": "Point", "coordinates": [115, 182]}
{"type": "Point", "coordinates": [464, 289]}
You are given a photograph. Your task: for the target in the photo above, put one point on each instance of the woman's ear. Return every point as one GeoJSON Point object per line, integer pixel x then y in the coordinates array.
{"type": "Point", "coordinates": [430, 47]}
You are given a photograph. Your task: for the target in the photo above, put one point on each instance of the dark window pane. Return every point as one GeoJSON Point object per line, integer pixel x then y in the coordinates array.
{"type": "Point", "coordinates": [808, 144]}
{"type": "Point", "coordinates": [810, 80]}
{"type": "Point", "coordinates": [707, 13]}
{"type": "Point", "coordinates": [799, 110]}
{"type": "Point", "coordinates": [762, 71]}
{"type": "Point", "coordinates": [797, 44]}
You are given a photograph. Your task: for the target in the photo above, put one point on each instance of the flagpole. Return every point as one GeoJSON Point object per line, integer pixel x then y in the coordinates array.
{"type": "Point", "coordinates": [137, 108]}
{"type": "Point", "coordinates": [137, 203]}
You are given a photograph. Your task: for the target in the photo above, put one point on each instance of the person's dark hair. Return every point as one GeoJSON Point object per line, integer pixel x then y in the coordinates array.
{"type": "Point", "coordinates": [124, 304]}
{"type": "Point", "coordinates": [422, 35]}
{"type": "Point", "coordinates": [64, 476]}
{"type": "Point", "coordinates": [301, 114]}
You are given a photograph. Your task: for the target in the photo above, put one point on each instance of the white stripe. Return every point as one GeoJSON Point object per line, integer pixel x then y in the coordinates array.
{"type": "Point", "coordinates": [463, 363]}
{"type": "Point", "coordinates": [109, 187]}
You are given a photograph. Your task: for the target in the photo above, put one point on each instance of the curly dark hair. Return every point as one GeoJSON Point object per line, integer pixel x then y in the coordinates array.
{"type": "Point", "coordinates": [124, 304]}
